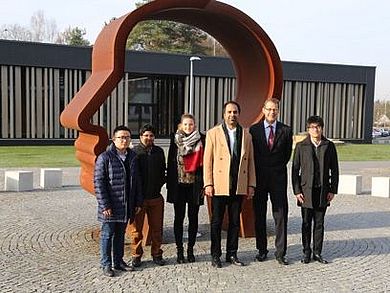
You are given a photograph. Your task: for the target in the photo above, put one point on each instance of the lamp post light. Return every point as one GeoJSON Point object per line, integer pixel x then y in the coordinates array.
{"type": "Point", "coordinates": [192, 59]}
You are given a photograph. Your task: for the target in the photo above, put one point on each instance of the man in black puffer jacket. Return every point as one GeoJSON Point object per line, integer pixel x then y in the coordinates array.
{"type": "Point", "coordinates": [119, 196]}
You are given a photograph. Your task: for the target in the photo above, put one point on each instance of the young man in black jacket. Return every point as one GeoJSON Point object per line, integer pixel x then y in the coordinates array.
{"type": "Point", "coordinates": [315, 178]}
{"type": "Point", "coordinates": [152, 168]}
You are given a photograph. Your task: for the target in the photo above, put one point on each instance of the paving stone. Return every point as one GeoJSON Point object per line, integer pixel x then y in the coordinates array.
{"type": "Point", "coordinates": [49, 243]}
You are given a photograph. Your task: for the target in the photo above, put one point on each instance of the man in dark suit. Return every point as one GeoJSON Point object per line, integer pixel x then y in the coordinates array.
{"type": "Point", "coordinates": [272, 145]}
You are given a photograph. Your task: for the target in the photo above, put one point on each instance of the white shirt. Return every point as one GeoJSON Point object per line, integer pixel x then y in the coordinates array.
{"type": "Point", "coordinates": [268, 130]}
{"type": "Point", "coordinates": [232, 138]}
{"type": "Point", "coordinates": [122, 156]}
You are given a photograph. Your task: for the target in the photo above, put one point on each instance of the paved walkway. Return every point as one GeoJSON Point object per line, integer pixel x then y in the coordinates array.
{"type": "Point", "coordinates": [48, 244]}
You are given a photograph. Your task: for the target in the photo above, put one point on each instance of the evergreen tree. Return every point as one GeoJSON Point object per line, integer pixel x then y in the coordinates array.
{"type": "Point", "coordinates": [167, 36]}
{"type": "Point", "coordinates": [74, 37]}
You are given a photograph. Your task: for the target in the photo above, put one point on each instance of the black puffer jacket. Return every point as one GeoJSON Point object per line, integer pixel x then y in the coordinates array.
{"type": "Point", "coordinates": [116, 189]}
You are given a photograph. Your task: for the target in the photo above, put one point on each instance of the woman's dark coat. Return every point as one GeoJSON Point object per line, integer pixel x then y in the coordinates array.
{"type": "Point", "coordinates": [172, 176]}
{"type": "Point", "coordinates": [110, 185]}
{"type": "Point", "coordinates": [303, 170]}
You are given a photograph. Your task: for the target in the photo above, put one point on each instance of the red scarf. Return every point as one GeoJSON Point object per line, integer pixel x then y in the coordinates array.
{"type": "Point", "coordinates": [194, 160]}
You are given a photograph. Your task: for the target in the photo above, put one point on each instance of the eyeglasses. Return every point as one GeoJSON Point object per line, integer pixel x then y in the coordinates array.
{"type": "Point", "coordinates": [271, 109]}
{"type": "Point", "coordinates": [316, 127]}
{"type": "Point", "coordinates": [123, 137]}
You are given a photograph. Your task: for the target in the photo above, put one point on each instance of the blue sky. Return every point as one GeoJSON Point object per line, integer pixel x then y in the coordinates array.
{"type": "Point", "coordinates": [334, 31]}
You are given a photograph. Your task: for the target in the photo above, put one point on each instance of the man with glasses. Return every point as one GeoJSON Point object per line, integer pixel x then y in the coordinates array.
{"type": "Point", "coordinates": [315, 177]}
{"type": "Point", "coordinates": [152, 168]}
{"type": "Point", "coordinates": [272, 144]}
{"type": "Point", "coordinates": [118, 193]}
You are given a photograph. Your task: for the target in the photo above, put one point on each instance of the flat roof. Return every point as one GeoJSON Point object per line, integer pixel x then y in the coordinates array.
{"type": "Point", "coordinates": [19, 53]}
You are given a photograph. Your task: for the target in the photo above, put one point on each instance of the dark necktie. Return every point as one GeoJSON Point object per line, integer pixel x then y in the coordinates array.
{"type": "Point", "coordinates": [270, 137]}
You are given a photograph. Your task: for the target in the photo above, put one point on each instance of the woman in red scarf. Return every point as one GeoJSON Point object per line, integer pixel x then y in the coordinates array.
{"type": "Point", "coordinates": [185, 182]}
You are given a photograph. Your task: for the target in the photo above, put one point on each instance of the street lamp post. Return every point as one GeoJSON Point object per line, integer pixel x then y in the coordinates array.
{"type": "Point", "coordinates": [192, 59]}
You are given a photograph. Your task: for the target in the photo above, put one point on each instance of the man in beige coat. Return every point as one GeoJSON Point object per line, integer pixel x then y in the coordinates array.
{"type": "Point", "coordinates": [229, 174]}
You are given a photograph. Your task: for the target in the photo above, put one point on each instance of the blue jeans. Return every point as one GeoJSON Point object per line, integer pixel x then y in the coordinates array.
{"type": "Point", "coordinates": [112, 238]}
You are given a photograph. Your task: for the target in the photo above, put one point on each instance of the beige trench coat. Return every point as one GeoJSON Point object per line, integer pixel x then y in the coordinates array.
{"type": "Point", "coordinates": [216, 162]}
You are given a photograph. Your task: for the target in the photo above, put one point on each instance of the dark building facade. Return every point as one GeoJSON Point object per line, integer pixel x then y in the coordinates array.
{"type": "Point", "coordinates": [38, 80]}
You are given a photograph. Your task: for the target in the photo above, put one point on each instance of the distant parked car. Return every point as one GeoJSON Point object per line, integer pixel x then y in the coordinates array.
{"type": "Point", "coordinates": [384, 132]}
{"type": "Point", "coordinates": [376, 133]}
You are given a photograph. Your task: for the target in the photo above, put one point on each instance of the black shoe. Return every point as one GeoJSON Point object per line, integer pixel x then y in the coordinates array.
{"type": "Point", "coordinates": [107, 271]}
{"type": "Point", "coordinates": [305, 259]}
{"type": "Point", "coordinates": [318, 257]}
{"type": "Point", "coordinates": [282, 260]}
{"type": "Point", "coordinates": [123, 263]}
{"type": "Point", "coordinates": [190, 255]}
{"type": "Point", "coordinates": [158, 260]}
{"type": "Point", "coordinates": [234, 260]}
{"type": "Point", "coordinates": [216, 262]}
{"type": "Point", "coordinates": [261, 257]}
{"type": "Point", "coordinates": [180, 256]}
{"type": "Point", "coordinates": [135, 262]}
{"type": "Point", "coordinates": [121, 267]}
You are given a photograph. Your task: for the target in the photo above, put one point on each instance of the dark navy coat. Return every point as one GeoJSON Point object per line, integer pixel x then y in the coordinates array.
{"type": "Point", "coordinates": [110, 181]}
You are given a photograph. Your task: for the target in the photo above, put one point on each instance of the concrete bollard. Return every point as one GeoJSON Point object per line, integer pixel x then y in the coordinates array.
{"type": "Point", "coordinates": [380, 187]}
{"type": "Point", "coordinates": [51, 178]}
{"type": "Point", "coordinates": [18, 180]}
{"type": "Point", "coordinates": [350, 184]}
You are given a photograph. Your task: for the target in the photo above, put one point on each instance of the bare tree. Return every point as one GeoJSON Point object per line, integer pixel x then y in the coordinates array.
{"type": "Point", "coordinates": [15, 32]}
{"type": "Point", "coordinates": [38, 24]}
{"type": "Point", "coordinates": [51, 31]}
{"type": "Point", "coordinates": [43, 30]}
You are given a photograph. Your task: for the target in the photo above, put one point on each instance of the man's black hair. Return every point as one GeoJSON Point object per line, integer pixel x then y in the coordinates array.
{"type": "Point", "coordinates": [120, 128]}
{"type": "Point", "coordinates": [315, 120]}
{"type": "Point", "coordinates": [231, 102]}
{"type": "Point", "coordinates": [147, 127]}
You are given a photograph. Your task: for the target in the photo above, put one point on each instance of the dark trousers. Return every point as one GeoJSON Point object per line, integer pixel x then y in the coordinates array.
{"type": "Point", "coordinates": [279, 213]}
{"type": "Point", "coordinates": [315, 215]}
{"type": "Point", "coordinates": [219, 203]}
{"type": "Point", "coordinates": [112, 241]}
{"type": "Point", "coordinates": [184, 197]}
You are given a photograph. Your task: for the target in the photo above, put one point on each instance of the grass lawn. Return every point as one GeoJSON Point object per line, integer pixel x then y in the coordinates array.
{"type": "Point", "coordinates": [64, 156]}
{"type": "Point", "coordinates": [38, 156]}
{"type": "Point", "coordinates": [363, 152]}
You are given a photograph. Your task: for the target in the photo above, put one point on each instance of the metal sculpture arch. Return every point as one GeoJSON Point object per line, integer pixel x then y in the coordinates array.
{"type": "Point", "coordinates": [255, 60]}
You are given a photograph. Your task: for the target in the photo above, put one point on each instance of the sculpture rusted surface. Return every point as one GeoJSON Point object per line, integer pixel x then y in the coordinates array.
{"type": "Point", "coordinates": [255, 60]}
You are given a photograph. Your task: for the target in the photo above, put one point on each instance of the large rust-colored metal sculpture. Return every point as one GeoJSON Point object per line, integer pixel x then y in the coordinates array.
{"type": "Point", "coordinates": [255, 60]}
